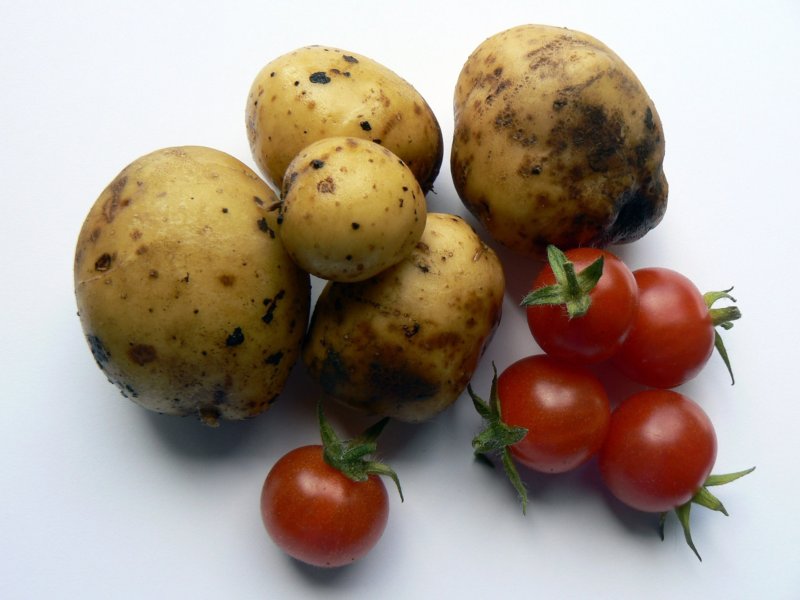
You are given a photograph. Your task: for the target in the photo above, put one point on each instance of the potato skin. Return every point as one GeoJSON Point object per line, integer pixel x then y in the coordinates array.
{"type": "Point", "coordinates": [406, 342]}
{"type": "Point", "coordinates": [350, 209]}
{"type": "Point", "coordinates": [556, 142]}
{"type": "Point", "coordinates": [317, 92]}
{"type": "Point", "coordinates": [185, 293]}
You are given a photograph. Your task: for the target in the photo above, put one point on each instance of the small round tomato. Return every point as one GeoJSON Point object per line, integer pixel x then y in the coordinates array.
{"type": "Point", "coordinates": [563, 406]}
{"type": "Point", "coordinates": [318, 515]}
{"type": "Point", "coordinates": [659, 450]}
{"type": "Point", "coordinates": [673, 333]}
{"type": "Point", "coordinates": [598, 333]}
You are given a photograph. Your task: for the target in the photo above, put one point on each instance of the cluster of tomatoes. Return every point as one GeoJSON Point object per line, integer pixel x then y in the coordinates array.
{"type": "Point", "coordinates": [551, 413]}
{"type": "Point", "coordinates": [327, 506]}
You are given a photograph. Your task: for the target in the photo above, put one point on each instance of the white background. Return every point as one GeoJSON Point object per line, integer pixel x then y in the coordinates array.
{"type": "Point", "coordinates": [101, 499]}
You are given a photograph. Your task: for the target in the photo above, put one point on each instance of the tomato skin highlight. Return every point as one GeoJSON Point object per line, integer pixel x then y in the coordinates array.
{"type": "Point", "coordinates": [319, 516]}
{"type": "Point", "coordinates": [659, 450]}
{"type": "Point", "coordinates": [673, 334]}
{"type": "Point", "coordinates": [564, 407]}
{"type": "Point", "coordinates": [598, 334]}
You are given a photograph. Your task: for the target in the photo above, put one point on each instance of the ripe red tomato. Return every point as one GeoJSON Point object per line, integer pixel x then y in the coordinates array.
{"type": "Point", "coordinates": [673, 333]}
{"type": "Point", "coordinates": [659, 450]}
{"type": "Point", "coordinates": [599, 333]}
{"type": "Point", "coordinates": [563, 406]}
{"type": "Point", "coordinates": [318, 515]}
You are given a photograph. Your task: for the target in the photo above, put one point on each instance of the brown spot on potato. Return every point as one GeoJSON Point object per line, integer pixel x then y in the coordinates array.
{"type": "Point", "coordinates": [326, 186]}
{"type": "Point", "coordinates": [319, 77]}
{"type": "Point", "coordinates": [141, 250]}
{"type": "Point", "coordinates": [236, 338]}
{"type": "Point", "coordinates": [113, 204]}
{"type": "Point", "coordinates": [142, 354]}
{"type": "Point", "coordinates": [227, 280]}
{"type": "Point", "coordinates": [272, 305]}
{"type": "Point", "coordinates": [350, 59]}
{"type": "Point", "coordinates": [103, 263]}
{"type": "Point", "coordinates": [264, 226]}
{"type": "Point", "coordinates": [98, 349]}
{"type": "Point", "coordinates": [274, 359]}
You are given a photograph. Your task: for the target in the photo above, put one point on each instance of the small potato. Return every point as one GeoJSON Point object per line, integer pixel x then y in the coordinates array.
{"type": "Point", "coordinates": [350, 209]}
{"type": "Point", "coordinates": [556, 142]}
{"type": "Point", "coordinates": [318, 92]}
{"type": "Point", "coordinates": [406, 342]}
{"type": "Point", "coordinates": [188, 300]}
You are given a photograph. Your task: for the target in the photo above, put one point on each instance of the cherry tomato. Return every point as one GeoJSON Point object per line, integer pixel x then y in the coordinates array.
{"type": "Point", "coordinates": [673, 332]}
{"type": "Point", "coordinates": [563, 406]}
{"type": "Point", "coordinates": [598, 334]}
{"type": "Point", "coordinates": [659, 450]}
{"type": "Point", "coordinates": [318, 515]}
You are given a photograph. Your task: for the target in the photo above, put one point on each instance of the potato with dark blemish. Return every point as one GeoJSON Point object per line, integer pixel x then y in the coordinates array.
{"type": "Point", "coordinates": [350, 209]}
{"type": "Point", "coordinates": [556, 142]}
{"type": "Point", "coordinates": [406, 342]}
{"type": "Point", "coordinates": [318, 92]}
{"type": "Point", "coordinates": [186, 295]}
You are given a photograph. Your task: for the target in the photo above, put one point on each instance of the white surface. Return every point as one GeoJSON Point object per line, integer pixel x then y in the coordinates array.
{"type": "Point", "coordinates": [100, 499]}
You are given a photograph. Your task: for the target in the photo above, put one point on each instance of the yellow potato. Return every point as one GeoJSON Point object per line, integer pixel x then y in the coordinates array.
{"type": "Point", "coordinates": [188, 300]}
{"type": "Point", "coordinates": [318, 92]}
{"type": "Point", "coordinates": [556, 142]}
{"type": "Point", "coordinates": [406, 342]}
{"type": "Point", "coordinates": [350, 209]}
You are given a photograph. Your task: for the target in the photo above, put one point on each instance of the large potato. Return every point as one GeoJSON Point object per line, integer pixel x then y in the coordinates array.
{"type": "Point", "coordinates": [556, 142]}
{"type": "Point", "coordinates": [405, 343]}
{"type": "Point", "coordinates": [349, 209]}
{"type": "Point", "coordinates": [188, 300]}
{"type": "Point", "coordinates": [318, 92]}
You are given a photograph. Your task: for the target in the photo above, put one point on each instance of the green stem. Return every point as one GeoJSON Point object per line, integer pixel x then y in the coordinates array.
{"type": "Point", "coordinates": [722, 317]}
{"type": "Point", "coordinates": [351, 457]}
{"type": "Point", "coordinates": [705, 498]}
{"type": "Point", "coordinates": [572, 289]}
{"type": "Point", "coordinates": [497, 436]}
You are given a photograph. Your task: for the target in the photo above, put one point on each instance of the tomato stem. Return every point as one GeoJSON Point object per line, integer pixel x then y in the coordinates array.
{"type": "Point", "coordinates": [571, 289]}
{"type": "Point", "coordinates": [722, 317]}
{"type": "Point", "coordinates": [351, 456]}
{"type": "Point", "coordinates": [702, 497]}
{"type": "Point", "coordinates": [497, 436]}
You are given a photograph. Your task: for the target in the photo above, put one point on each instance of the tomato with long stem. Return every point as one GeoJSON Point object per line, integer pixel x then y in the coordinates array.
{"type": "Point", "coordinates": [326, 505]}
{"type": "Point", "coordinates": [658, 456]}
{"type": "Point", "coordinates": [674, 331]}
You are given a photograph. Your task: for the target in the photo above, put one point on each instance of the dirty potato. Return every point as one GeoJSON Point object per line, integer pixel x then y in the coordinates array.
{"type": "Point", "coordinates": [318, 92]}
{"type": "Point", "coordinates": [406, 342]}
{"type": "Point", "coordinates": [556, 142]}
{"type": "Point", "coordinates": [350, 209]}
{"type": "Point", "coordinates": [188, 300]}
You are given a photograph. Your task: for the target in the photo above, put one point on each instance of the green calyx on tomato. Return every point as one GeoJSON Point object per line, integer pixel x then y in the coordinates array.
{"type": "Point", "coordinates": [351, 457]}
{"type": "Point", "coordinates": [498, 436]}
{"type": "Point", "coordinates": [722, 317]}
{"type": "Point", "coordinates": [705, 498]}
{"type": "Point", "coordinates": [571, 289]}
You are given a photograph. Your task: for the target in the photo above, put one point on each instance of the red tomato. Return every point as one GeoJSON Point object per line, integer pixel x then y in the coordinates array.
{"type": "Point", "coordinates": [598, 334]}
{"type": "Point", "coordinates": [673, 334]}
{"type": "Point", "coordinates": [659, 450]}
{"type": "Point", "coordinates": [316, 514]}
{"type": "Point", "coordinates": [563, 406]}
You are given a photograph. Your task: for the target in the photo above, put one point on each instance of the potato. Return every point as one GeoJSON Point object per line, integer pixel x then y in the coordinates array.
{"type": "Point", "coordinates": [556, 142]}
{"type": "Point", "coordinates": [188, 300]}
{"type": "Point", "coordinates": [350, 209]}
{"type": "Point", "coordinates": [406, 342]}
{"type": "Point", "coordinates": [318, 92]}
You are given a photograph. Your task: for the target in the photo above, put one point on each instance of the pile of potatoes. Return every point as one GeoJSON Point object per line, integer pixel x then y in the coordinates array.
{"type": "Point", "coordinates": [192, 276]}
